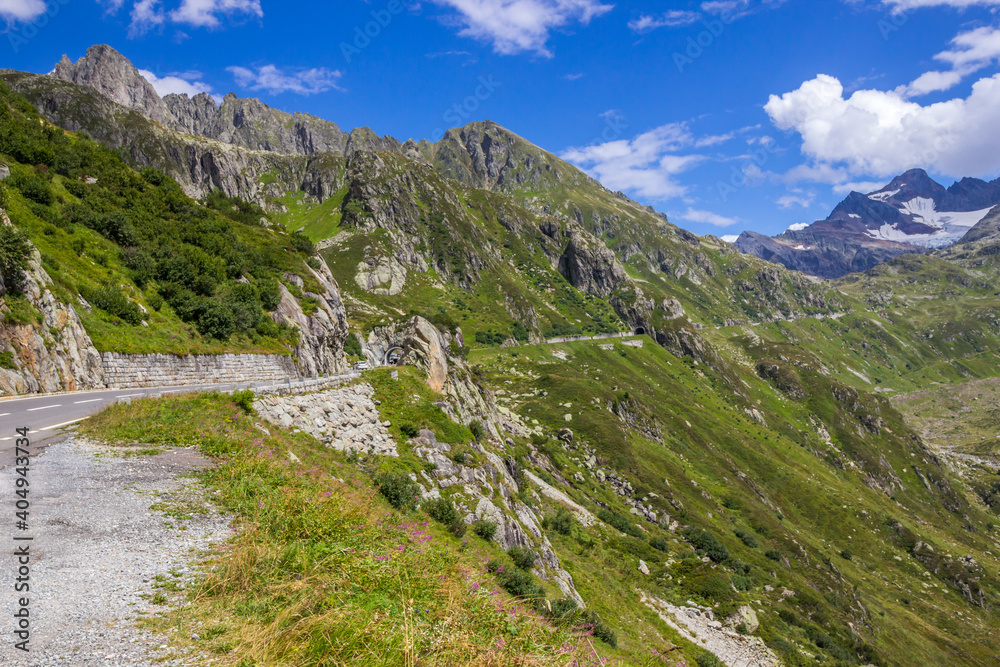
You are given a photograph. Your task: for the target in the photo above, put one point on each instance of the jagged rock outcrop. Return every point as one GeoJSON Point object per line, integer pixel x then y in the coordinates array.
{"type": "Point", "coordinates": [589, 265]}
{"type": "Point", "coordinates": [114, 77]}
{"type": "Point", "coordinates": [321, 334]}
{"type": "Point", "coordinates": [54, 354]}
{"type": "Point", "coordinates": [486, 491]}
{"type": "Point", "coordinates": [423, 345]}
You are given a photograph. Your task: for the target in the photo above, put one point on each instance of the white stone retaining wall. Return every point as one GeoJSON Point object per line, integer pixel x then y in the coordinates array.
{"type": "Point", "coordinates": [125, 371]}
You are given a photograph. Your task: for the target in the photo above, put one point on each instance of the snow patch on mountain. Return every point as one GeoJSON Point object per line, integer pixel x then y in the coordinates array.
{"type": "Point", "coordinates": [949, 226]}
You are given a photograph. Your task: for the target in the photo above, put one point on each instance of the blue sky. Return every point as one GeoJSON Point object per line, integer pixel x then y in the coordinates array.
{"type": "Point", "coordinates": [725, 114]}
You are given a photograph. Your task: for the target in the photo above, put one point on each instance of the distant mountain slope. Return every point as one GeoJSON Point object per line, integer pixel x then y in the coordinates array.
{"type": "Point", "coordinates": [911, 214]}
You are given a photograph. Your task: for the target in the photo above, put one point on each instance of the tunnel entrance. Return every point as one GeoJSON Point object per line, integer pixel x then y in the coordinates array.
{"type": "Point", "coordinates": [640, 331]}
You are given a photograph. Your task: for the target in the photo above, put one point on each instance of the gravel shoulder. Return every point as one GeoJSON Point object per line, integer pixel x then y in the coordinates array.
{"type": "Point", "coordinates": [105, 527]}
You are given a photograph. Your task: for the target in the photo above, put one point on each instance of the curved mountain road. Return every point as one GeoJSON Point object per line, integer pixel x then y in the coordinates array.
{"type": "Point", "coordinates": [45, 415]}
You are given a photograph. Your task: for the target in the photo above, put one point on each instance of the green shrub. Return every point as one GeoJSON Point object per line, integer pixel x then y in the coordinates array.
{"type": "Point", "coordinates": [714, 587]}
{"type": "Point", "coordinates": [659, 544]}
{"type": "Point", "coordinates": [310, 306]}
{"type": "Point", "coordinates": [743, 582]}
{"type": "Point", "coordinates": [490, 337]}
{"type": "Point", "coordinates": [216, 320]}
{"type": "Point", "coordinates": [597, 627]}
{"type": "Point", "coordinates": [706, 659]}
{"type": "Point", "coordinates": [111, 299]}
{"type": "Point", "coordinates": [32, 185]}
{"type": "Point", "coordinates": [773, 554]}
{"type": "Point", "coordinates": [302, 243]}
{"type": "Point", "coordinates": [846, 555]}
{"type": "Point", "coordinates": [314, 263]}
{"type": "Point", "coordinates": [517, 582]}
{"type": "Point", "coordinates": [619, 522]}
{"type": "Point", "coordinates": [443, 511]}
{"type": "Point", "coordinates": [7, 360]}
{"type": "Point", "coordinates": [244, 400]}
{"type": "Point", "coordinates": [15, 252]}
{"type": "Point", "coordinates": [523, 557]}
{"type": "Point", "coordinates": [477, 429]}
{"type": "Point", "coordinates": [708, 543]}
{"type": "Point", "coordinates": [520, 332]}
{"type": "Point", "coordinates": [561, 521]}
{"type": "Point", "coordinates": [485, 529]}
{"type": "Point", "coordinates": [409, 429]}
{"type": "Point", "coordinates": [155, 301]}
{"type": "Point", "coordinates": [747, 538]}
{"type": "Point", "coordinates": [78, 245]}
{"type": "Point", "coordinates": [398, 489]}
{"type": "Point", "coordinates": [352, 346]}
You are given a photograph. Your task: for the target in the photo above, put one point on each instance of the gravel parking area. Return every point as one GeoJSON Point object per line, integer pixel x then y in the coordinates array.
{"type": "Point", "coordinates": [107, 530]}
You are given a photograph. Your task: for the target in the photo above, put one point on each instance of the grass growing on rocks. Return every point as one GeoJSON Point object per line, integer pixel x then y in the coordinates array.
{"type": "Point", "coordinates": [323, 571]}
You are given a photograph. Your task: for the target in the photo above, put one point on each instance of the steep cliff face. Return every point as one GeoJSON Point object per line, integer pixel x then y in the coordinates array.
{"type": "Point", "coordinates": [53, 353]}
{"type": "Point", "coordinates": [321, 333]}
{"type": "Point", "coordinates": [589, 265]}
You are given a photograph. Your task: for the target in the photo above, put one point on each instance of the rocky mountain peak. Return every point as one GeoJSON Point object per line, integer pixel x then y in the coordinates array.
{"type": "Point", "coordinates": [112, 75]}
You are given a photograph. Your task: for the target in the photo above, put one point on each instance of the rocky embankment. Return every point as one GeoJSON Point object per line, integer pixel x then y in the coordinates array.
{"type": "Point", "coordinates": [345, 419]}
{"type": "Point", "coordinates": [53, 353]}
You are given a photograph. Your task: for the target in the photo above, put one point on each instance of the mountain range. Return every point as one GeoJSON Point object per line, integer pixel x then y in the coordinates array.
{"type": "Point", "coordinates": [688, 454]}
{"type": "Point", "coordinates": [913, 213]}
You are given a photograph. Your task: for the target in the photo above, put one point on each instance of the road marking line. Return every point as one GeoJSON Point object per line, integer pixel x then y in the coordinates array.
{"type": "Point", "coordinates": [5, 439]}
{"type": "Point", "coordinates": [55, 426]}
{"type": "Point", "coordinates": [93, 400]}
{"type": "Point", "coordinates": [129, 395]}
{"type": "Point", "coordinates": [44, 408]}
{"type": "Point", "coordinates": [6, 414]}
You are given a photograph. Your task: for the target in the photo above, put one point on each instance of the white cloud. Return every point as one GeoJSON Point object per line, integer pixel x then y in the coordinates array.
{"type": "Point", "coordinates": [730, 238]}
{"type": "Point", "coordinates": [798, 226]}
{"type": "Point", "coordinates": [645, 164]}
{"type": "Point", "coordinates": [575, 76]}
{"type": "Point", "coordinates": [972, 51]}
{"type": "Point", "coordinates": [149, 14]}
{"type": "Point", "coordinates": [273, 80]}
{"type": "Point", "coordinates": [185, 83]}
{"type": "Point", "coordinates": [205, 13]}
{"type": "Point", "coordinates": [880, 133]}
{"type": "Point", "coordinates": [21, 10]}
{"type": "Point", "coordinates": [518, 26]}
{"type": "Point", "coordinates": [902, 5]}
{"type": "Point", "coordinates": [708, 218]}
{"type": "Point", "coordinates": [146, 15]}
{"type": "Point", "coordinates": [671, 19]}
{"type": "Point", "coordinates": [863, 187]}
{"type": "Point", "coordinates": [802, 200]}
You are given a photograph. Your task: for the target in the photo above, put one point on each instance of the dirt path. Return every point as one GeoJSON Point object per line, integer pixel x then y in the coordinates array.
{"type": "Point", "coordinates": [104, 528]}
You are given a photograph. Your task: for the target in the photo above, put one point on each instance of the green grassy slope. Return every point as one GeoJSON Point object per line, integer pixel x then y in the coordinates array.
{"type": "Point", "coordinates": [201, 276]}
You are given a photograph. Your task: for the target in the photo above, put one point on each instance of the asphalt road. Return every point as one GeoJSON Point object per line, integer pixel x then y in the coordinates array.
{"type": "Point", "coordinates": [47, 415]}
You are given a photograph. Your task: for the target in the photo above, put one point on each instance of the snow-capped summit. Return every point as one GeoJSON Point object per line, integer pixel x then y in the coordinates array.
{"type": "Point", "coordinates": [911, 213]}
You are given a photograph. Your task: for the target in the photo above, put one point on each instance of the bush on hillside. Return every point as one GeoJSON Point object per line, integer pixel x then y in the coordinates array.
{"type": "Point", "coordinates": [15, 252]}
{"type": "Point", "coordinates": [523, 557]}
{"type": "Point", "coordinates": [398, 489]}
{"type": "Point", "coordinates": [485, 529]}
{"type": "Point", "coordinates": [707, 543]}
{"type": "Point", "coordinates": [110, 298]}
